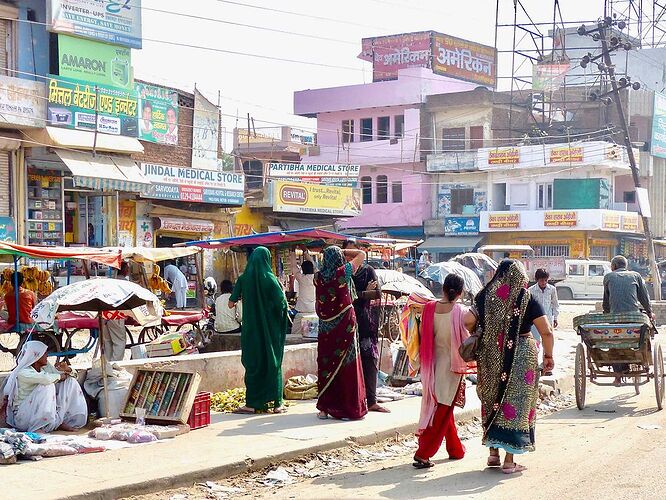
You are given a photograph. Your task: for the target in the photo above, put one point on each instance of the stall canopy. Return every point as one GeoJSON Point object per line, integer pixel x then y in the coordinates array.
{"type": "Point", "coordinates": [149, 254]}
{"type": "Point", "coordinates": [82, 139]}
{"type": "Point", "coordinates": [104, 172]}
{"type": "Point", "coordinates": [8, 251]}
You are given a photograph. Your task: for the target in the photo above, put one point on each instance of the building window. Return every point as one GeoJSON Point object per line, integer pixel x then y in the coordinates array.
{"type": "Point", "coordinates": [398, 126]}
{"type": "Point", "coordinates": [453, 139]}
{"type": "Point", "coordinates": [383, 127]}
{"type": "Point", "coordinates": [520, 196]}
{"type": "Point", "coordinates": [476, 137]}
{"type": "Point", "coordinates": [600, 252]}
{"type": "Point", "coordinates": [347, 131]}
{"type": "Point", "coordinates": [551, 250]}
{"type": "Point", "coordinates": [366, 129]}
{"type": "Point", "coordinates": [382, 189]}
{"type": "Point", "coordinates": [396, 192]}
{"type": "Point", "coordinates": [366, 187]}
{"type": "Point", "coordinates": [545, 196]}
{"type": "Point", "coordinates": [629, 196]}
{"type": "Point", "coordinates": [460, 198]}
{"type": "Point", "coordinates": [254, 174]}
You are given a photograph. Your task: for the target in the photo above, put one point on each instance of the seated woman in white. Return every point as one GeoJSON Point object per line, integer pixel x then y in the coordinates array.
{"type": "Point", "coordinates": [43, 397]}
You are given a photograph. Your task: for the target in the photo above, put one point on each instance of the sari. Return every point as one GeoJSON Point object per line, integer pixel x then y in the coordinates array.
{"type": "Point", "coordinates": [263, 331]}
{"type": "Point", "coordinates": [340, 374]}
{"type": "Point", "coordinates": [507, 363]}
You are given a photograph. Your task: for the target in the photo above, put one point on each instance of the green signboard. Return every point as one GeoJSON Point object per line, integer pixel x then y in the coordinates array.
{"type": "Point", "coordinates": [95, 62]}
{"type": "Point", "coordinates": [86, 106]}
{"type": "Point", "coordinates": [158, 114]}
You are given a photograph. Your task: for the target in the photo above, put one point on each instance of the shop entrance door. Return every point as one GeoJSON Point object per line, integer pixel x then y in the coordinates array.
{"type": "Point", "coordinates": [187, 265]}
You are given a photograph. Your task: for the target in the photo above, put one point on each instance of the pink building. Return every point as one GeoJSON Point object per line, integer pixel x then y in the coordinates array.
{"type": "Point", "coordinates": [377, 125]}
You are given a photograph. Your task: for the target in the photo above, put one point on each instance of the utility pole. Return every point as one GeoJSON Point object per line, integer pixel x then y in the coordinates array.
{"type": "Point", "coordinates": [600, 33]}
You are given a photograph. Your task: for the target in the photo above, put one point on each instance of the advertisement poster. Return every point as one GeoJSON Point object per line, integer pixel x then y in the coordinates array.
{"type": "Point", "coordinates": [158, 114]}
{"type": "Point", "coordinates": [388, 54]}
{"type": "Point", "coordinates": [610, 221]}
{"type": "Point", "coordinates": [194, 185]}
{"type": "Point", "coordinates": [73, 104]}
{"type": "Point", "coordinates": [95, 62]}
{"type": "Point", "coordinates": [509, 220]}
{"type": "Point", "coordinates": [326, 174]}
{"type": "Point", "coordinates": [7, 230]}
{"type": "Point", "coordinates": [630, 223]}
{"type": "Point", "coordinates": [465, 60]}
{"type": "Point", "coordinates": [205, 132]}
{"type": "Point", "coordinates": [504, 156]}
{"type": "Point", "coordinates": [658, 142]}
{"type": "Point", "coordinates": [461, 226]}
{"type": "Point", "coordinates": [295, 197]}
{"type": "Point", "coordinates": [560, 219]}
{"type": "Point", "coordinates": [110, 21]}
{"type": "Point", "coordinates": [22, 102]}
{"type": "Point", "coordinates": [548, 77]}
{"type": "Point", "coordinates": [126, 223]}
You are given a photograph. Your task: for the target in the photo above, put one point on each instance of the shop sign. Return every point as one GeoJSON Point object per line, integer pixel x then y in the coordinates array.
{"type": "Point", "coordinates": [560, 219]}
{"type": "Point", "coordinates": [658, 141]}
{"type": "Point", "coordinates": [259, 136]}
{"type": "Point", "coordinates": [391, 53]}
{"type": "Point", "coordinates": [464, 60]}
{"type": "Point", "coordinates": [75, 104]}
{"type": "Point", "coordinates": [110, 21]}
{"type": "Point", "coordinates": [126, 223]}
{"type": "Point", "coordinates": [194, 185]}
{"type": "Point", "coordinates": [95, 62]}
{"type": "Point", "coordinates": [186, 225]}
{"type": "Point", "coordinates": [630, 223]}
{"type": "Point", "coordinates": [503, 156]}
{"type": "Point", "coordinates": [610, 221]}
{"type": "Point", "coordinates": [300, 136]}
{"type": "Point", "coordinates": [205, 132]}
{"type": "Point", "coordinates": [7, 230]}
{"type": "Point", "coordinates": [549, 77]}
{"type": "Point", "coordinates": [567, 154]}
{"type": "Point", "coordinates": [510, 220]}
{"type": "Point", "coordinates": [461, 226]}
{"type": "Point", "coordinates": [22, 102]}
{"type": "Point", "coordinates": [158, 114]}
{"type": "Point", "coordinates": [144, 225]}
{"type": "Point", "coordinates": [327, 174]}
{"type": "Point", "coordinates": [302, 198]}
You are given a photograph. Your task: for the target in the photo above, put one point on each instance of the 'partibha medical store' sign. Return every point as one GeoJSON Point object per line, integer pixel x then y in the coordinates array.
{"type": "Point", "coordinates": [194, 185]}
{"type": "Point", "coordinates": [330, 174]}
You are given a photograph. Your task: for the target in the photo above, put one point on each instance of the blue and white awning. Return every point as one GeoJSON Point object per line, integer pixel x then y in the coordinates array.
{"type": "Point", "coordinates": [104, 172]}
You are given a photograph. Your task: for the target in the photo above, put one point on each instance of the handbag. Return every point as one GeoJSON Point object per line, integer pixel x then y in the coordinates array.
{"type": "Point", "coordinates": [469, 349]}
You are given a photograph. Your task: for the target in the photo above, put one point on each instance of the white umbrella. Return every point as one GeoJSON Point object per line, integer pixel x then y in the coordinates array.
{"type": "Point", "coordinates": [438, 272]}
{"type": "Point", "coordinates": [480, 263]}
{"type": "Point", "coordinates": [98, 296]}
{"type": "Point", "coordinates": [397, 283]}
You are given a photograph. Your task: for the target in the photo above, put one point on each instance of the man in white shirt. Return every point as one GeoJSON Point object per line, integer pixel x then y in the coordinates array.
{"type": "Point", "coordinates": [178, 283]}
{"type": "Point", "coordinates": [304, 286]}
{"type": "Point", "coordinates": [227, 320]}
{"type": "Point", "coordinates": [546, 295]}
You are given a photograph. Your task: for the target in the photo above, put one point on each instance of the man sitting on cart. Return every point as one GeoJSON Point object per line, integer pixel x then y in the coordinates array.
{"type": "Point", "coordinates": [624, 292]}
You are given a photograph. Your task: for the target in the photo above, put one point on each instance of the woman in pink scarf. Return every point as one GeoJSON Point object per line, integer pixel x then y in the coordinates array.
{"type": "Point", "coordinates": [442, 370]}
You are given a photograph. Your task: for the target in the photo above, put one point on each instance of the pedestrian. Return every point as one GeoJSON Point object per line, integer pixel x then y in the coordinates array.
{"type": "Point", "coordinates": [367, 318]}
{"type": "Point", "coordinates": [340, 374]}
{"type": "Point", "coordinates": [263, 332]}
{"type": "Point", "coordinates": [227, 319]}
{"type": "Point", "coordinates": [508, 377]}
{"type": "Point", "coordinates": [178, 283]}
{"type": "Point", "coordinates": [304, 277]}
{"type": "Point", "coordinates": [546, 295]}
{"type": "Point", "coordinates": [441, 333]}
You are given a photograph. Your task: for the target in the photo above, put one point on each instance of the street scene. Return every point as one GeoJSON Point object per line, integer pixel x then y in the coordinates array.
{"type": "Point", "coordinates": [391, 249]}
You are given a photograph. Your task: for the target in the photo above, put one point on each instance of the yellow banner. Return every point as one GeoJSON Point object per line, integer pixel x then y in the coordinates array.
{"type": "Point", "coordinates": [503, 156]}
{"type": "Point", "coordinates": [560, 219]}
{"type": "Point", "coordinates": [295, 197]}
{"type": "Point", "coordinates": [504, 220]}
{"type": "Point", "coordinates": [610, 221]}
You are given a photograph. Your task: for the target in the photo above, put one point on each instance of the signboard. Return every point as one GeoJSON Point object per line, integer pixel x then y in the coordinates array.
{"type": "Point", "coordinates": [110, 21]}
{"type": "Point", "coordinates": [461, 226]}
{"type": "Point", "coordinates": [508, 220]}
{"type": "Point", "coordinates": [95, 62]}
{"type": "Point", "coordinates": [567, 154]}
{"type": "Point", "coordinates": [194, 185]}
{"type": "Point", "coordinates": [328, 174]}
{"type": "Point", "coordinates": [72, 104]}
{"type": "Point", "coordinates": [560, 219]}
{"type": "Point", "coordinates": [158, 114]}
{"type": "Point", "coordinates": [658, 142]}
{"type": "Point", "coordinates": [630, 223]}
{"type": "Point", "coordinates": [22, 102]}
{"type": "Point", "coordinates": [126, 223]}
{"type": "Point", "coordinates": [186, 225]}
{"type": "Point", "coordinates": [610, 221]}
{"type": "Point", "coordinates": [302, 198]}
{"type": "Point", "coordinates": [503, 156]}
{"type": "Point", "coordinates": [205, 132]}
{"type": "Point", "coordinates": [391, 53]}
{"type": "Point", "coordinates": [548, 77]}
{"type": "Point", "coordinates": [260, 136]}
{"type": "Point", "coordinates": [7, 230]}
{"type": "Point", "coordinates": [464, 60]}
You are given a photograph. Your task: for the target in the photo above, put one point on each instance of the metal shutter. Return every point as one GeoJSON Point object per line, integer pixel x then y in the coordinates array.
{"type": "Point", "coordinates": [5, 27]}
{"type": "Point", "coordinates": [4, 184]}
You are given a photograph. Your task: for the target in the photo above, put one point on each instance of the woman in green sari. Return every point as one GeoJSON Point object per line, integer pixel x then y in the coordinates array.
{"type": "Point", "coordinates": [263, 333]}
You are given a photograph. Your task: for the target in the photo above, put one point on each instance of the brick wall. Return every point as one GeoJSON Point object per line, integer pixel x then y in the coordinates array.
{"type": "Point", "coordinates": [180, 155]}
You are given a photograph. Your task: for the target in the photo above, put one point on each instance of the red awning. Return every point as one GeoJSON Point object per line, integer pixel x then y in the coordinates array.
{"type": "Point", "coordinates": [109, 258]}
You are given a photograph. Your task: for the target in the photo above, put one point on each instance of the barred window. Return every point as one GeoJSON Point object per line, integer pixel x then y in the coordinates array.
{"type": "Point", "coordinates": [600, 252]}
{"type": "Point", "coordinates": [551, 250]}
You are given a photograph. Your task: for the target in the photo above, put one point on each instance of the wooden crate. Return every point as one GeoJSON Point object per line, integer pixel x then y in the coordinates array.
{"type": "Point", "coordinates": [167, 396]}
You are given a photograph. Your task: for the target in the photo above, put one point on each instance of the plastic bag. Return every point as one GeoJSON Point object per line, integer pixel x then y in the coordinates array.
{"type": "Point", "coordinates": [301, 387]}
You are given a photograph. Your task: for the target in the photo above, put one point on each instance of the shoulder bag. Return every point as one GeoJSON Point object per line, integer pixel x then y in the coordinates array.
{"type": "Point", "coordinates": [469, 349]}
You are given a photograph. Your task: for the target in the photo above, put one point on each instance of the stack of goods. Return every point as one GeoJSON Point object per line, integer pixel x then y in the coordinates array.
{"type": "Point", "coordinates": [165, 396]}
{"type": "Point", "coordinates": [157, 283]}
{"type": "Point", "coordinates": [136, 434]}
{"type": "Point", "coordinates": [33, 279]}
{"type": "Point", "coordinates": [32, 446]}
{"type": "Point", "coordinates": [169, 344]}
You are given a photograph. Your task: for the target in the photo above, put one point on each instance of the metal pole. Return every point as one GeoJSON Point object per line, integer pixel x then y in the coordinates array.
{"type": "Point", "coordinates": [17, 323]}
{"type": "Point", "coordinates": [656, 279]}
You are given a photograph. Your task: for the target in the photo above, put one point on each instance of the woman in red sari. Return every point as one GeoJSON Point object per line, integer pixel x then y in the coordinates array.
{"type": "Point", "coordinates": [341, 387]}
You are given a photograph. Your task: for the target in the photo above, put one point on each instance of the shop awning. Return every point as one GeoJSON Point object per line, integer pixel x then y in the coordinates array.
{"type": "Point", "coordinates": [450, 244]}
{"type": "Point", "coordinates": [110, 257]}
{"type": "Point", "coordinates": [82, 139]}
{"type": "Point", "coordinates": [149, 254]}
{"type": "Point", "coordinates": [104, 172]}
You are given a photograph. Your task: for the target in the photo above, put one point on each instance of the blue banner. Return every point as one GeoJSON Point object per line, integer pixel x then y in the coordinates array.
{"type": "Point", "coordinates": [461, 226]}
{"type": "Point", "coordinates": [658, 142]}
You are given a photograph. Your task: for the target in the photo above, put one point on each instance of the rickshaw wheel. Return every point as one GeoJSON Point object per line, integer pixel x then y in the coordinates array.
{"type": "Point", "coordinates": [580, 374]}
{"type": "Point", "coordinates": [52, 342]}
{"type": "Point", "coordinates": [658, 364]}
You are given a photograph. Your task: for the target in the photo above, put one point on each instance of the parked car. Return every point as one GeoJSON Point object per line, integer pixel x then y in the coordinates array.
{"type": "Point", "coordinates": [584, 279]}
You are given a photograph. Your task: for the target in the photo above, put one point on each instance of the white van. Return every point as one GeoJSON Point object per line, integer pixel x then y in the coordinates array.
{"type": "Point", "coordinates": [584, 279]}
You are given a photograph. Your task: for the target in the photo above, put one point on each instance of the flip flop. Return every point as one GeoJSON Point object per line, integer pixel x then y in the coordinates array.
{"type": "Point", "coordinates": [422, 464]}
{"type": "Point", "coordinates": [322, 416]}
{"type": "Point", "coordinates": [494, 461]}
{"type": "Point", "coordinates": [244, 411]}
{"type": "Point", "coordinates": [379, 409]}
{"type": "Point", "coordinates": [515, 468]}
{"type": "Point", "coordinates": [279, 410]}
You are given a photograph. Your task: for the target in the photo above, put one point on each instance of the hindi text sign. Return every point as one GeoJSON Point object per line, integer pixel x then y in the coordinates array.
{"type": "Point", "coordinates": [464, 60]}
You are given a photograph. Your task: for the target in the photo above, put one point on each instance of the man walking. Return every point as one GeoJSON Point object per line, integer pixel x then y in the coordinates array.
{"type": "Point", "coordinates": [546, 295]}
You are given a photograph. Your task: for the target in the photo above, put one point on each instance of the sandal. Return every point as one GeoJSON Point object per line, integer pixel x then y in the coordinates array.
{"type": "Point", "coordinates": [280, 409]}
{"type": "Point", "coordinates": [513, 468]}
{"type": "Point", "coordinates": [379, 408]}
{"type": "Point", "coordinates": [494, 461]}
{"type": "Point", "coordinates": [419, 463]}
{"type": "Point", "coordinates": [322, 415]}
{"type": "Point", "coordinates": [244, 410]}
